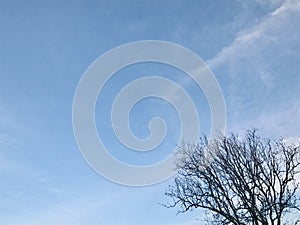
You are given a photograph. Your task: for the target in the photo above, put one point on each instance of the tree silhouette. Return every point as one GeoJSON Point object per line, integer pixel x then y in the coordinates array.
{"type": "Point", "coordinates": [250, 181]}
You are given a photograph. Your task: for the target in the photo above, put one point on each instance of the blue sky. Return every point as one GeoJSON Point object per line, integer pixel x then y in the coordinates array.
{"type": "Point", "coordinates": [253, 48]}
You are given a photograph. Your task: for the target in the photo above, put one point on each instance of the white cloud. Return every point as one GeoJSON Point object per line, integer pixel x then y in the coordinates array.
{"type": "Point", "coordinates": [261, 87]}
{"type": "Point", "coordinates": [287, 5]}
{"type": "Point", "coordinates": [274, 122]}
{"type": "Point", "coordinates": [292, 140]}
{"type": "Point", "coordinates": [246, 42]}
{"type": "Point", "coordinates": [79, 210]}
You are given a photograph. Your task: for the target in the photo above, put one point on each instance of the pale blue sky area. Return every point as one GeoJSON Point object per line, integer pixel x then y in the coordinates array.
{"type": "Point", "coordinates": [253, 48]}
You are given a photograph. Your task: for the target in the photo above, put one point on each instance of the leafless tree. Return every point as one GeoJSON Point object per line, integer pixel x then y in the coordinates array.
{"type": "Point", "coordinates": [250, 181]}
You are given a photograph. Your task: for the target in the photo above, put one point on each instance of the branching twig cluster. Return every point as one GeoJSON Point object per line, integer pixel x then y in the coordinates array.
{"type": "Point", "coordinates": [250, 181]}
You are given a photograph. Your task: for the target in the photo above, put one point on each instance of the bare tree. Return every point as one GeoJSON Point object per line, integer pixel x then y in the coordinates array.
{"type": "Point", "coordinates": [250, 181]}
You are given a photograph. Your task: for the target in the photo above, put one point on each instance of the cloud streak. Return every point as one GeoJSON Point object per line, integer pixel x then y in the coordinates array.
{"type": "Point", "coordinates": [256, 67]}
{"type": "Point", "coordinates": [247, 39]}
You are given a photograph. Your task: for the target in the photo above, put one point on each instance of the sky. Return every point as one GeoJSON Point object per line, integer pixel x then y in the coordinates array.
{"type": "Point", "coordinates": [251, 46]}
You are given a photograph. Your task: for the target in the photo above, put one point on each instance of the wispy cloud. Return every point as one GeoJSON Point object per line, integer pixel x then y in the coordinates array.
{"type": "Point", "coordinates": [257, 67]}
{"type": "Point", "coordinates": [69, 211]}
{"type": "Point", "coordinates": [293, 140]}
{"type": "Point", "coordinates": [247, 39]}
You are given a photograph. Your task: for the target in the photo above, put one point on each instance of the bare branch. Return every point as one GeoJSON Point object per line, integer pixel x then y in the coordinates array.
{"type": "Point", "coordinates": [250, 181]}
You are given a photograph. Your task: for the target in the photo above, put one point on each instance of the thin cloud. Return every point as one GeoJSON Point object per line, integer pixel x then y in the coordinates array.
{"type": "Point", "coordinates": [287, 5]}
{"type": "Point", "coordinates": [292, 140]}
{"type": "Point", "coordinates": [253, 66]}
{"type": "Point", "coordinates": [244, 43]}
